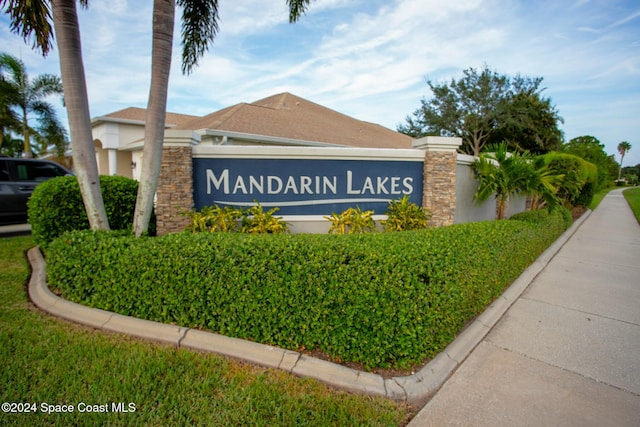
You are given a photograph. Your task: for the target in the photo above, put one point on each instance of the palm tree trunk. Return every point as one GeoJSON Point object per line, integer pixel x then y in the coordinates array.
{"type": "Point", "coordinates": [163, 21]}
{"type": "Point", "coordinates": [67, 30]}
{"type": "Point", "coordinates": [25, 134]}
{"type": "Point", "coordinates": [620, 169]}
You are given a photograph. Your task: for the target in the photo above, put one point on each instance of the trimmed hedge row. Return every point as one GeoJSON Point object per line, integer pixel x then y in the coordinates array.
{"type": "Point", "coordinates": [56, 206]}
{"type": "Point", "coordinates": [382, 300]}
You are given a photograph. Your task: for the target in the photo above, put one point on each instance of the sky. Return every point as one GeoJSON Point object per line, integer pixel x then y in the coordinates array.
{"type": "Point", "coordinates": [371, 59]}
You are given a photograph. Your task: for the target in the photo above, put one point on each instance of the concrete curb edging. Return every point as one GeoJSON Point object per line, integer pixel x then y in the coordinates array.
{"type": "Point", "coordinates": [414, 389]}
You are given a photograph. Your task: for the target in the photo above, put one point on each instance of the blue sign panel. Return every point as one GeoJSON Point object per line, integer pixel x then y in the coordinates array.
{"type": "Point", "coordinates": [305, 187]}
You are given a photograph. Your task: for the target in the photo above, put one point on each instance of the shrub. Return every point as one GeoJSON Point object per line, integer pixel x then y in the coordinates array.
{"type": "Point", "coordinates": [404, 215]}
{"type": "Point", "coordinates": [230, 219]}
{"type": "Point", "coordinates": [215, 218]}
{"type": "Point", "coordinates": [352, 221]}
{"type": "Point", "coordinates": [56, 206]}
{"type": "Point", "coordinates": [577, 177]}
{"type": "Point", "coordinates": [543, 216]}
{"type": "Point", "coordinates": [586, 195]}
{"type": "Point", "coordinates": [257, 221]}
{"type": "Point", "coordinates": [379, 299]}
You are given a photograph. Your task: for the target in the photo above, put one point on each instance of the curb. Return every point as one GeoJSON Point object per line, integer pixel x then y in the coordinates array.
{"type": "Point", "coordinates": [415, 389]}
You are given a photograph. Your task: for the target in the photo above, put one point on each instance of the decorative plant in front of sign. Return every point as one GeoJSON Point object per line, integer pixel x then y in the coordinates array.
{"type": "Point", "coordinates": [352, 221]}
{"type": "Point", "coordinates": [256, 220]}
{"type": "Point", "coordinates": [215, 219]}
{"type": "Point", "coordinates": [405, 215]}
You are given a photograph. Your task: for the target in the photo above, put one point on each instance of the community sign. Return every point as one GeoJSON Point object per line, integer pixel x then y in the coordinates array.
{"type": "Point", "coordinates": [306, 186]}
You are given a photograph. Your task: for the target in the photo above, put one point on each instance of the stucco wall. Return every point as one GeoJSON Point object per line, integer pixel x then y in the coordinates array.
{"type": "Point", "coordinates": [467, 209]}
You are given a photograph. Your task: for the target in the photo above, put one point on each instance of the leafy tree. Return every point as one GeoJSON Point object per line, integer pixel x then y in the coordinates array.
{"type": "Point", "coordinates": [592, 150]}
{"type": "Point", "coordinates": [486, 108]}
{"type": "Point", "coordinates": [632, 173]}
{"type": "Point", "coordinates": [33, 20]}
{"type": "Point", "coordinates": [623, 148]}
{"type": "Point", "coordinates": [23, 97]}
{"type": "Point", "coordinates": [528, 121]}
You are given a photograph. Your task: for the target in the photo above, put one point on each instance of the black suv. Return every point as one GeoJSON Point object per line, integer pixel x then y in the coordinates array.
{"type": "Point", "coordinates": [18, 178]}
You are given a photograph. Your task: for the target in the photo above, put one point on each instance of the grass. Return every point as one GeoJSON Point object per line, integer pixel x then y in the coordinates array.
{"type": "Point", "coordinates": [597, 198]}
{"type": "Point", "coordinates": [47, 360]}
{"type": "Point", "coordinates": [633, 198]}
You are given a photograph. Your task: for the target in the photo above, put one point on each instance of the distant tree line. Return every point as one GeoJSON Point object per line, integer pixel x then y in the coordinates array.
{"type": "Point", "coordinates": [487, 109]}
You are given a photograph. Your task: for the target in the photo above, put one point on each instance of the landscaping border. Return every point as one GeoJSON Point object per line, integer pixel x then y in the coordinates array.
{"type": "Point", "coordinates": [414, 389]}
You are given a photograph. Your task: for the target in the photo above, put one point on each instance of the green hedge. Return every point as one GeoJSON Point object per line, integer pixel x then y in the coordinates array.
{"type": "Point", "coordinates": [382, 300]}
{"type": "Point", "coordinates": [56, 206]}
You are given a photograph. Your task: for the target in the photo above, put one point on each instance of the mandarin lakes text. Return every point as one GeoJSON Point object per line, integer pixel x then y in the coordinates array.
{"type": "Point", "coordinates": [229, 183]}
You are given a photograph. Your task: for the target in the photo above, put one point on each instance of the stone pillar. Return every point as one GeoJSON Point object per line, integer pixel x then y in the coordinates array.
{"type": "Point", "coordinates": [175, 184]}
{"type": "Point", "coordinates": [439, 186]}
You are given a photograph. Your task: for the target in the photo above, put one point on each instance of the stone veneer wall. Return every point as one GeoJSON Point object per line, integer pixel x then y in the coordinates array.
{"type": "Point", "coordinates": [439, 194]}
{"type": "Point", "coordinates": [439, 187]}
{"type": "Point", "coordinates": [175, 190]}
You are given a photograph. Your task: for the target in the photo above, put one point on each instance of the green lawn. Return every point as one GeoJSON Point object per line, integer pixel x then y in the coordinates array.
{"type": "Point", "coordinates": [49, 361]}
{"type": "Point", "coordinates": [633, 198]}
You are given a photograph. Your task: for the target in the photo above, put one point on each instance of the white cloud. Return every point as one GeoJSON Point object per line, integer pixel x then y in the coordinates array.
{"type": "Point", "coordinates": [370, 58]}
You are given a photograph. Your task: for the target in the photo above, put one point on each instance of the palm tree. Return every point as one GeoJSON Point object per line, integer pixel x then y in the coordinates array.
{"type": "Point", "coordinates": [8, 117]}
{"type": "Point", "coordinates": [504, 174]}
{"type": "Point", "coordinates": [33, 19]}
{"type": "Point", "coordinates": [65, 21]}
{"type": "Point", "coordinates": [28, 97]}
{"type": "Point", "coordinates": [623, 148]}
{"type": "Point", "coordinates": [199, 28]}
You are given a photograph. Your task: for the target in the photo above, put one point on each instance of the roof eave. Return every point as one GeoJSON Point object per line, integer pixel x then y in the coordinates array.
{"type": "Point", "coordinates": [276, 140]}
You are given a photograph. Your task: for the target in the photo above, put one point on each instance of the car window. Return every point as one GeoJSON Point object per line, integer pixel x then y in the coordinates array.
{"type": "Point", "coordinates": [37, 171]}
{"type": "Point", "coordinates": [4, 170]}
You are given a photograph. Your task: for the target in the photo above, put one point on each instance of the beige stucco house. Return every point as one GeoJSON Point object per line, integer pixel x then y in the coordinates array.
{"type": "Point", "coordinates": [282, 120]}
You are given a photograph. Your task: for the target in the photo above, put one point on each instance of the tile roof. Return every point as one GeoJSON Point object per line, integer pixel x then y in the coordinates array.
{"type": "Point", "coordinates": [288, 116]}
{"type": "Point", "coordinates": [138, 114]}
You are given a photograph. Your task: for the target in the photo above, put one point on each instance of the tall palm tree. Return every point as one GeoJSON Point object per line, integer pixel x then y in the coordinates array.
{"type": "Point", "coordinates": [623, 148]}
{"type": "Point", "coordinates": [8, 117]}
{"type": "Point", "coordinates": [29, 97]}
{"type": "Point", "coordinates": [199, 28]}
{"type": "Point", "coordinates": [33, 19]}
{"type": "Point", "coordinates": [65, 22]}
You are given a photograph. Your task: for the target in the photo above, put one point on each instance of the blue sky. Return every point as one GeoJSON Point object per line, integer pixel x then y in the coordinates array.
{"type": "Point", "coordinates": [370, 59]}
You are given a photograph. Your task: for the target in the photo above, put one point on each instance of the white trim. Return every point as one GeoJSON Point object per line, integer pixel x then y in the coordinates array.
{"type": "Point", "coordinates": [264, 139]}
{"type": "Point", "coordinates": [438, 144]}
{"type": "Point", "coordinates": [319, 153]}
{"type": "Point", "coordinates": [465, 159]}
{"type": "Point", "coordinates": [315, 218]}
{"type": "Point", "coordinates": [311, 202]}
{"type": "Point", "coordinates": [106, 119]}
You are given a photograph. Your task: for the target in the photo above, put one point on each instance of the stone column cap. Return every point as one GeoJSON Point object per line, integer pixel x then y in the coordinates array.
{"type": "Point", "coordinates": [180, 138]}
{"type": "Point", "coordinates": [438, 143]}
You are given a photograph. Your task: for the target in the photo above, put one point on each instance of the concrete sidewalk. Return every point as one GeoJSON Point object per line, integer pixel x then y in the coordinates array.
{"type": "Point", "coordinates": [567, 352]}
